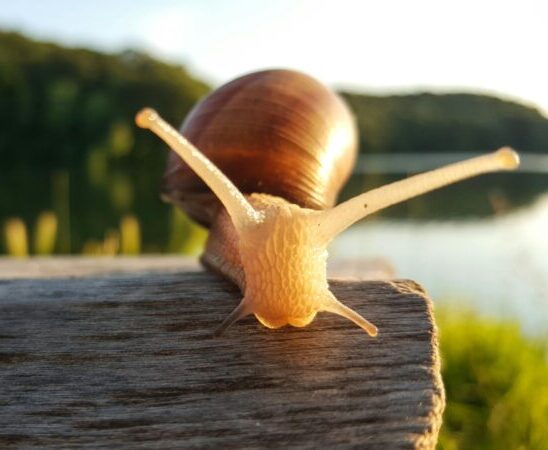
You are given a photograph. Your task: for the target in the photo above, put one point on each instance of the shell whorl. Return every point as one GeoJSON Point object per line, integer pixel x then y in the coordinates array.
{"type": "Point", "coordinates": [278, 132]}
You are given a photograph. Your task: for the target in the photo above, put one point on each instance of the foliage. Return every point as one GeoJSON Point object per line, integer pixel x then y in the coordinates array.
{"type": "Point", "coordinates": [68, 143]}
{"type": "Point", "coordinates": [446, 123]}
{"type": "Point", "coordinates": [495, 381]}
{"type": "Point", "coordinates": [16, 238]}
{"type": "Point", "coordinates": [62, 106]}
{"type": "Point", "coordinates": [45, 233]}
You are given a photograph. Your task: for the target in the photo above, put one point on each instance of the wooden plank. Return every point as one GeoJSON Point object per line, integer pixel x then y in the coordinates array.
{"type": "Point", "coordinates": [129, 361]}
{"type": "Point", "coordinates": [76, 266]}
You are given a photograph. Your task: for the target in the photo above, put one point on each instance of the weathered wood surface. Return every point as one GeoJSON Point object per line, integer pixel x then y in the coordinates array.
{"type": "Point", "coordinates": [128, 360]}
{"type": "Point", "coordinates": [71, 266]}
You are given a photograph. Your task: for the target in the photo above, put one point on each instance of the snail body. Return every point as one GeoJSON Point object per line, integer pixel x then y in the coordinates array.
{"type": "Point", "coordinates": [275, 148]}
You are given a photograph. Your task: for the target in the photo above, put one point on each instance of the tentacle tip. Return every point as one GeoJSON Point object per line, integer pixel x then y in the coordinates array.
{"type": "Point", "coordinates": [238, 313]}
{"type": "Point", "coordinates": [219, 331]}
{"type": "Point", "coordinates": [508, 158]}
{"type": "Point", "coordinates": [145, 117]}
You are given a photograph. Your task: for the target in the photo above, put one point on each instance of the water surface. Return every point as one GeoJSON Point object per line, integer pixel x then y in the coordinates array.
{"type": "Point", "coordinates": [497, 266]}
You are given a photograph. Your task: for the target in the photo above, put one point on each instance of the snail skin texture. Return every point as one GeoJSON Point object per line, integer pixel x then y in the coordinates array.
{"type": "Point", "coordinates": [270, 228]}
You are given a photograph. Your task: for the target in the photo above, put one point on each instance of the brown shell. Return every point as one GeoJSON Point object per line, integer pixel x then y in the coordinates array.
{"type": "Point", "coordinates": [278, 132]}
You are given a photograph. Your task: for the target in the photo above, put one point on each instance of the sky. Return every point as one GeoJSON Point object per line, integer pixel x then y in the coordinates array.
{"type": "Point", "coordinates": [497, 47]}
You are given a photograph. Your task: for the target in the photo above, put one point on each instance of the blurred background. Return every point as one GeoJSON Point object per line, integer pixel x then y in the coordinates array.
{"type": "Point", "coordinates": [429, 82]}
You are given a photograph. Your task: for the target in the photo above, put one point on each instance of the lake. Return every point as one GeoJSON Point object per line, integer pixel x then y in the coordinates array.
{"type": "Point", "coordinates": [498, 266]}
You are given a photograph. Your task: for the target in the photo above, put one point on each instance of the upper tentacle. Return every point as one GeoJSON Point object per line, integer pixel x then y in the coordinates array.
{"type": "Point", "coordinates": [335, 220]}
{"type": "Point", "coordinates": [241, 212]}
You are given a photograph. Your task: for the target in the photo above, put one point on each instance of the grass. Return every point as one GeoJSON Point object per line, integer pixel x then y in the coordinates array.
{"type": "Point", "coordinates": [496, 381]}
{"type": "Point", "coordinates": [184, 237]}
{"type": "Point", "coordinates": [16, 237]}
{"type": "Point", "coordinates": [45, 233]}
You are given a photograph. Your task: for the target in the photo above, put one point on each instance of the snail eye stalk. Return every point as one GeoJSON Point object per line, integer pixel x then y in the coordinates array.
{"type": "Point", "coordinates": [241, 212]}
{"type": "Point", "coordinates": [335, 220]}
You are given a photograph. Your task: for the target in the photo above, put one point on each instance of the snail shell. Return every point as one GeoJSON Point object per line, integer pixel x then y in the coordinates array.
{"type": "Point", "coordinates": [278, 132]}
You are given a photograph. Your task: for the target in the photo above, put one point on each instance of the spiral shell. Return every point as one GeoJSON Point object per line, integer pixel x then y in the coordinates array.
{"type": "Point", "coordinates": [278, 132]}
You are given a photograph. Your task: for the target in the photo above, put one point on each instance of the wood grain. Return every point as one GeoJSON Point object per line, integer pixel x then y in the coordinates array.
{"type": "Point", "coordinates": [125, 360]}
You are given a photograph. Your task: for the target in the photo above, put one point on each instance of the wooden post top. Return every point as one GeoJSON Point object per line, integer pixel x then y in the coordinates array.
{"type": "Point", "coordinates": [105, 353]}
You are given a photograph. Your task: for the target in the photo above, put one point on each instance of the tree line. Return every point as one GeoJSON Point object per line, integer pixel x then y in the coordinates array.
{"type": "Point", "coordinates": [68, 143]}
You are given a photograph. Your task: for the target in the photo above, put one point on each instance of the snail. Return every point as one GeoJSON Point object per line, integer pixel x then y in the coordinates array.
{"type": "Point", "coordinates": [260, 161]}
